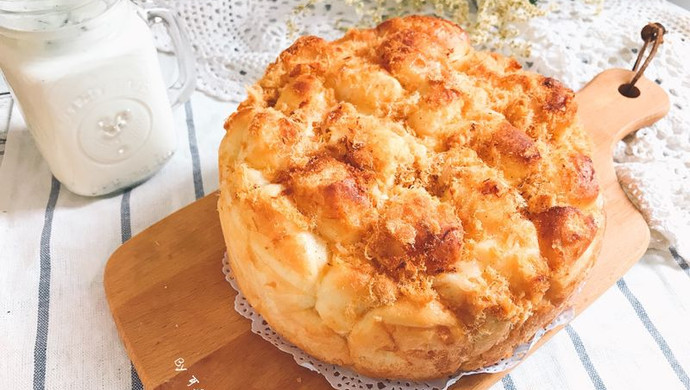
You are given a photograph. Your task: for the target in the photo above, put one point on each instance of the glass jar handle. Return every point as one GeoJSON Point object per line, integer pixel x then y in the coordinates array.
{"type": "Point", "coordinates": [183, 87]}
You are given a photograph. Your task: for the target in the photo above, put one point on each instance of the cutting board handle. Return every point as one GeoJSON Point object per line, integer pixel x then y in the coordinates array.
{"type": "Point", "coordinates": [609, 116]}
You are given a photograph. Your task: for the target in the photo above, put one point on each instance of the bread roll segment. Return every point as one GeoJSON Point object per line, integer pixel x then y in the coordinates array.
{"type": "Point", "coordinates": [401, 204]}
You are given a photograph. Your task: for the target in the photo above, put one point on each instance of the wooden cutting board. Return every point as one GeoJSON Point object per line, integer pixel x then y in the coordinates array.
{"type": "Point", "coordinates": [170, 300]}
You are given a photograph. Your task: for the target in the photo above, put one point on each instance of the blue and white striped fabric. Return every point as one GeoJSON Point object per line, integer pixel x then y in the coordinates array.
{"type": "Point", "coordinates": [56, 331]}
{"type": "Point", "coordinates": [55, 328]}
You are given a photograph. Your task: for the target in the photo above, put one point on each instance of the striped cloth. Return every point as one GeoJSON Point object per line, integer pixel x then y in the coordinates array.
{"type": "Point", "coordinates": [56, 331]}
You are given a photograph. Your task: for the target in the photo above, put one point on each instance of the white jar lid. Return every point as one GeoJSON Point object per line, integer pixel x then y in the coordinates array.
{"type": "Point", "coordinates": [46, 15]}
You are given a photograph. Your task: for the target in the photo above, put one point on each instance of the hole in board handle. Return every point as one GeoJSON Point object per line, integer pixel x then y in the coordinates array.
{"type": "Point", "coordinates": [629, 91]}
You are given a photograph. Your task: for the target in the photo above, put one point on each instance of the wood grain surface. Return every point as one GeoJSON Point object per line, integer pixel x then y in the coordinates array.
{"type": "Point", "coordinates": [170, 300]}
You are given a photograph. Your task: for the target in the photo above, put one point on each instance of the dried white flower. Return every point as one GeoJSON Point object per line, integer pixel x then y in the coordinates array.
{"type": "Point", "coordinates": [490, 23]}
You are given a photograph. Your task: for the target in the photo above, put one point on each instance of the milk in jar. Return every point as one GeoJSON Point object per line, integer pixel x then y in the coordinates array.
{"type": "Point", "coordinates": [86, 76]}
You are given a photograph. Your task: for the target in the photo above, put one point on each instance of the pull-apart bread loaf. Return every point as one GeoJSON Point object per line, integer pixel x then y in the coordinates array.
{"type": "Point", "coordinates": [401, 204]}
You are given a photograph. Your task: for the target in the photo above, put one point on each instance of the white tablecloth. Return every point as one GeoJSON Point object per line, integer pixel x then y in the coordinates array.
{"type": "Point", "coordinates": [56, 331]}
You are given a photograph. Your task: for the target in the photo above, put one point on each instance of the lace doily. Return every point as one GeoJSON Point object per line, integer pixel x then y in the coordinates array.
{"type": "Point", "coordinates": [345, 379]}
{"type": "Point", "coordinates": [234, 40]}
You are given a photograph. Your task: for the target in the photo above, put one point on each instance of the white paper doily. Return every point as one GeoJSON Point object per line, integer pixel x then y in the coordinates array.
{"type": "Point", "coordinates": [345, 379]}
{"type": "Point", "coordinates": [234, 40]}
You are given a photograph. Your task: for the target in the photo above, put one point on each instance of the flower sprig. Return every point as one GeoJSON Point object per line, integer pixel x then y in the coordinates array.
{"type": "Point", "coordinates": [489, 22]}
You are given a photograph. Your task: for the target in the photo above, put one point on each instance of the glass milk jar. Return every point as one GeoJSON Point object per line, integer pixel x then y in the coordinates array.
{"type": "Point", "coordinates": [86, 76]}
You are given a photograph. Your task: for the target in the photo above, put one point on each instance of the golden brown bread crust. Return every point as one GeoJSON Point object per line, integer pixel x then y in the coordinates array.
{"type": "Point", "coordinates": [399, 203]}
